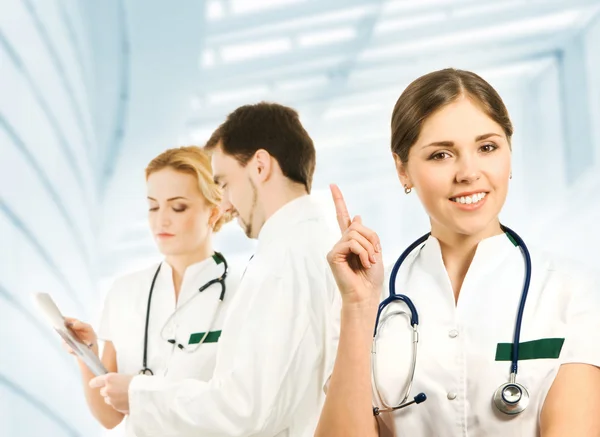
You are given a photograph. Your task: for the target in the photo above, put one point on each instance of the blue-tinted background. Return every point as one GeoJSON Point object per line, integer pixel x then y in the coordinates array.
{"type": "Point", "coordinates": [90, 91]}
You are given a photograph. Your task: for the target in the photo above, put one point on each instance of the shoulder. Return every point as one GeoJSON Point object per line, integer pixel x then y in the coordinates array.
{"type": "Point", "coordinates": [315, 234]}
{"type": "Point", "coordinates": [570, 278]}
{"type": "Point", "coordinates": [145, 274]}
{"type": "Point", "coordinates": [561, 266]}
{"type": "Point", "coordinates": [129, 285]}
{"type": "Point", "coordinates": [307, 244]}
{"type": "Point", "coordinates": [292, 260]}
{"type": "Point", "coordinates": [298, 261]}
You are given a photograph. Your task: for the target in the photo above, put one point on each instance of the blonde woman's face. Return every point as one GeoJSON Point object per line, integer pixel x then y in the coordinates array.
{"type": "Point", "coordinates": [180, 218]}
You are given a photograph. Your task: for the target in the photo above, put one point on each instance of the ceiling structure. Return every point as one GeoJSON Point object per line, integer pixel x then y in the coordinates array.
{"type": "Point", "coordinates": [342, 64]}
{"type": "Point", "coordinates": [345, 60]}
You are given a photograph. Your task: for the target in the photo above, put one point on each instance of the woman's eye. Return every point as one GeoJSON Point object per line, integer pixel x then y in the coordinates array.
{"type": "Point", "coordinates": [179, 208]}
{"type": "Point", "coordinates": [154, 208]}
{"type": "Point", "coordinates": [488, 147]}
{"type": "Point", "coordinates": [439, 156]}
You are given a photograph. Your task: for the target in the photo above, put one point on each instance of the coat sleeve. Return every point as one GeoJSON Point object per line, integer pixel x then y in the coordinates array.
{"type": "Point", "coordinates": [583, 320]}
{"type": "Point", "coordinates": [105, 325]}
{"type": "Point", "coordinates": [277, 360]}
{"type": "Point", "coordinates": [333, 330]}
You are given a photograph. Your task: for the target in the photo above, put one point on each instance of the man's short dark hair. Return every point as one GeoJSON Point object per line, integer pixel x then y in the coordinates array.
{"type": "Point", "coordinates": [274, 128]}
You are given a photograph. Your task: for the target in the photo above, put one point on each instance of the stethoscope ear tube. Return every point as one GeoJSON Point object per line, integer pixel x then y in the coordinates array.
{"type": "Point", "coordinates": [221, 279]}
{"type": "Point", "coordinates": [145, 368]}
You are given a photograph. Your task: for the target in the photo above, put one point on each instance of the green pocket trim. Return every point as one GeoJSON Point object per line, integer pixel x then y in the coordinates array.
{"type": "Point", "coordinates": [212, 337]}
{"type": "Point", "coordinates": [531, 350]}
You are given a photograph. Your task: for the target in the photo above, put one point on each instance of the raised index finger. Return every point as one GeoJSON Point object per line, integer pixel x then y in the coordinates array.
{"type": "Point", "coordinates": [341, 210]}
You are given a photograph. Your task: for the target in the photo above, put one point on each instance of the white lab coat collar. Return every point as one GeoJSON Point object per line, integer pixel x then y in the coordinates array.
{"type": "Point", "coordinates": [194, 274]}
{"type": "Point", "coordinates": [286, 217]}
{"type": "Point", "coordinates": [489, 253]}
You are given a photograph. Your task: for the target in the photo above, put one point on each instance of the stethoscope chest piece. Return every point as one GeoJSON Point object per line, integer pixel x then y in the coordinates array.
{"type": "Point", "coordinates": [511, 398]}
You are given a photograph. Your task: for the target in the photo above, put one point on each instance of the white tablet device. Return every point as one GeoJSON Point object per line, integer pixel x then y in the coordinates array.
{"type": "Point", "coordinates": [57, 321]}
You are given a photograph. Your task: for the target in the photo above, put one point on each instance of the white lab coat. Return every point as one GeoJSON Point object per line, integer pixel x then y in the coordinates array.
{"type": "Point", "coordinates": [277, 348]}
{"type": "Point", "coordinates": [124, 317]}
{"type": "Point", "coordinates": [456, 362]}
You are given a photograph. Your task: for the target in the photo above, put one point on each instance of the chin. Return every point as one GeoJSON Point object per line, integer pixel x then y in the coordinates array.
{"type": "Point", "coordinates": [475, 227]}
{"type": "Point", "coordinates": [169, 249]}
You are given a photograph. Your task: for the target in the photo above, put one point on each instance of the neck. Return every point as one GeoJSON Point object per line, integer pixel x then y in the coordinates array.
{"type": "Point", "coordinates": [279, 196]}
{"type": "Point", "coordinates": [458, 251]}
{"type": "Point", "coordinates": [179, 263]}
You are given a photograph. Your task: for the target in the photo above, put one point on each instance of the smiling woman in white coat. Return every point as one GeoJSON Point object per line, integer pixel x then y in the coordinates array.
{"type": "Point", "coordinates": [475, 335]}
{"type": "Point", "coordinates": [166, 319]}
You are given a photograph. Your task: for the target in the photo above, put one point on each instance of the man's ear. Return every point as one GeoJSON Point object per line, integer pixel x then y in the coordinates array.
{"type": "Point", "coordinates": [263, 164]}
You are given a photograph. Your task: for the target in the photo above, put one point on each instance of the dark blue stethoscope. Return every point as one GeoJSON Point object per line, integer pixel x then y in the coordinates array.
{"type": "Point", "coordinates": [511, 397]}
{"type": "Point", "coordinates": [218, 258]}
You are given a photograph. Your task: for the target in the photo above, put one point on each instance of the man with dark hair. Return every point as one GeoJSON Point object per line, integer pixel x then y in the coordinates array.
{"type": "Point", "coordinates": [279, 340]}
{"type": "Point", "coordinates": [274, 128]}
{"type": "Point", "coordinates": [270, 139]}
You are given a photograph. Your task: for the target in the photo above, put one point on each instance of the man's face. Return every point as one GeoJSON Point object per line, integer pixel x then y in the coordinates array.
{"type": "Point", "coordinates": [240, 196]}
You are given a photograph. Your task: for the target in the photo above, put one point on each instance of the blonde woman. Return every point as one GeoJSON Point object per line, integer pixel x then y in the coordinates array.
{"type": "Point", "coordinates": [166, 319]}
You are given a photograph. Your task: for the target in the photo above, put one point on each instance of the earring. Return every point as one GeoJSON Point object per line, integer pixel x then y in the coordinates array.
{"type": "Point", "coordinates": [406, 189]}
{"type": "Point", "coordinates": [510, 177]}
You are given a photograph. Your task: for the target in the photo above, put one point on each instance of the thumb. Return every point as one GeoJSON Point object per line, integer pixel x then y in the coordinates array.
{"type": "Point", "coordinates": [69, 321]}
{"type": "Point", "coordinates": [357, 219]}
{"type": "Point", "coordinates": [98, 381]}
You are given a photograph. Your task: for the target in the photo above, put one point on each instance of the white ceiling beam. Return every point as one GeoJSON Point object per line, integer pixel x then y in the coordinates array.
{"type": "Point", "coordinates": [262, 27]}
{"type": "Point", "coordinates": [220, 75]}
{"type": "Point", "coordinates": [394, 72]}
{"type": "Point", "coordinates": [242, 22]}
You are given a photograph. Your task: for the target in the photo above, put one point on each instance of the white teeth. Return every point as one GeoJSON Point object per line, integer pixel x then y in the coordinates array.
{"type": "Point", "coordinates": [469, 199]}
